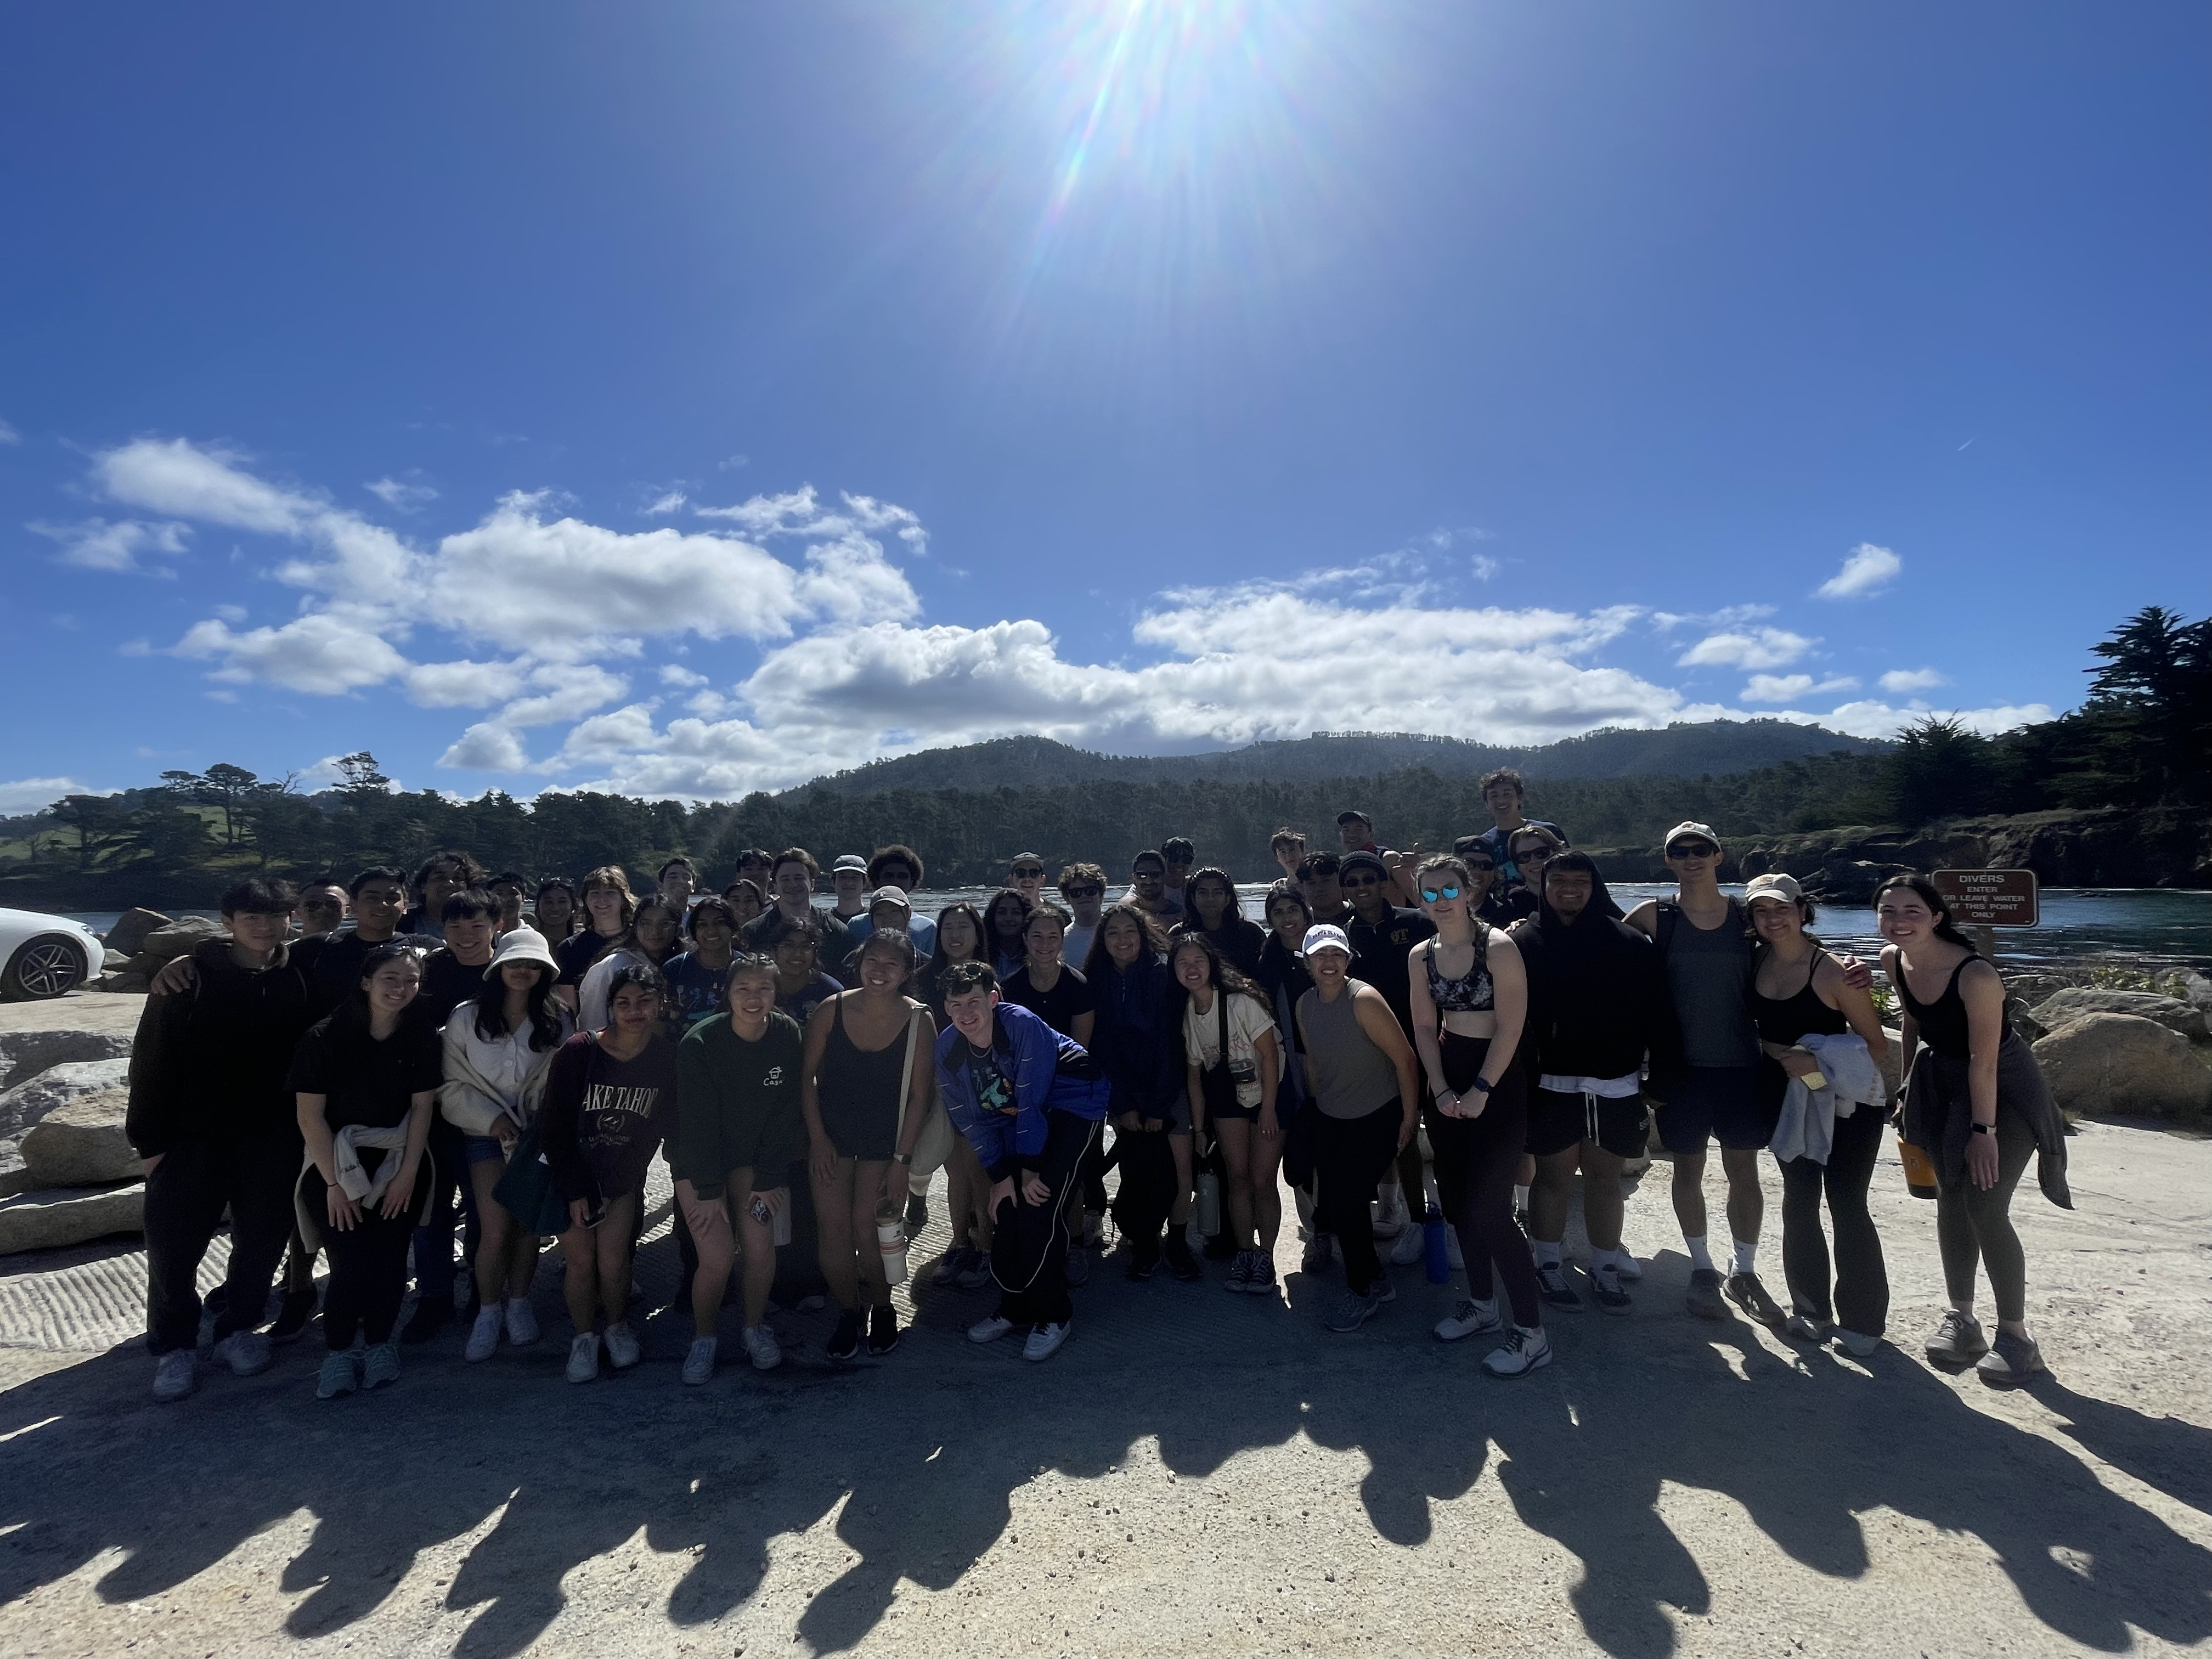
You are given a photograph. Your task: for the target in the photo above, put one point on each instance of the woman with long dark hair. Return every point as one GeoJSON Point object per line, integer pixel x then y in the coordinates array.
{"type": "Point", "coordinates": [610, 1101]}
{"type": "Point", "coordinates": [1137, 1040]}
{"type": "Point", "coordinates": [1005, 918]}
{"type": "Point", "coordinates": [1209, 907]}
{"type": "Point", "coordinates": [555, 909]}
{"type": "Point", "coordinates": [366, 1080]}
{"type": "Point", "coordinates": [498, 1053]}
{"type": "Point", "coordinates": [1232, 1066]}
{"type": "Point", "coordinates": [1976, 1103]}
{"type": "Point", "coordinates": [608, 906]}
{"type": "Point", "coordinates": [959, 938]}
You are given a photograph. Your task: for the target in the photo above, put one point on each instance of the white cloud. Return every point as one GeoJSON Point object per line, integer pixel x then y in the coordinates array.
{"type": "Point", "coordinates": [465, 685]}
{"type": "Point", "coordinates": [487, 748]}
{"type": "Point", "coordinates": [1759, 648]}
{"type": "Point", "coordinates": [1788, 687]}
{"type": "Point", "coordinates": [22, 795]}
{"type": "Point", "coordinates": [1879, 720]}
{"type": "Point", "coordinates": [1900, 681]}
{"type": "Point", "coordinates": [571, 691]}
{"type": "Point", "coordinates": [401, 497]}
{"type": "Point", "coordinates": [323, 653]}
{"type": "Point", "coordinates": [97, 545]}
{"type": "Point", "coordinates": [671, 501]}
{"type": "Point", "coordinates": [1866, 570]}
{"type": "Point", "coordinates": [1729, 615]}
{"type": "Point", "coordinates": [8, 435]}
{"type": "Point", "coordinates": [675, 674]}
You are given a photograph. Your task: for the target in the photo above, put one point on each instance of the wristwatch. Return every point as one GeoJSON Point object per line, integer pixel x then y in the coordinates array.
{"type": "Point", "coordinates": [1983, 1128]}
{"type": "Point", "coordinates": [1481, 1086]}
{"type": "Point", "coordinates": [906, 1158]}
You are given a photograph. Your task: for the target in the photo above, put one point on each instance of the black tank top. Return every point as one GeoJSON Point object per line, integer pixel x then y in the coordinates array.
{"type": "Point", "coordinates": [858, 1079]}
{"type": "Point", "coordinates": [1942, 1023]}
{"type": "Point", "coordinates": [1786, 1019]}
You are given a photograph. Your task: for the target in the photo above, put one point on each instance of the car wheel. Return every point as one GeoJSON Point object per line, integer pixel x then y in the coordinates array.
{"type": "Point", "coordinates": [50, 965]}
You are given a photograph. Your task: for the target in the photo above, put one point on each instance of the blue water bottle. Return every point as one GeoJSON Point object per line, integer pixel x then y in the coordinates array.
{"type": "Point", "coordinates": [1434, 1261]}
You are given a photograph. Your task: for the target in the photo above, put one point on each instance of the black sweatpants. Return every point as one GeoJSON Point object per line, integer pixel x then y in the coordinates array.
{"type": "Point", "coordinates": [1029, 1248]}
{"type": "Point", "coordinates": [1861, 1301]}
{"type": "Point", "coordinates": [1477, 1160]}
{"type": "Point", "coordinates": [1350, 1154]}
{"type": "Point", "coordinates": [433, 1239]}
{"type": "Point", "coordinates": [196, 1181]}
{"type": "Point", "coordinates": [368, 1263]}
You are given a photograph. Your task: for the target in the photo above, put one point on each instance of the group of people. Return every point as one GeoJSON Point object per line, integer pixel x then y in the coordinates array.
{"type": "Point", "coordinates": [1425, 1050]}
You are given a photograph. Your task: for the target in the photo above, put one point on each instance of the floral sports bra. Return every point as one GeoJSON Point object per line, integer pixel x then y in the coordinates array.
{"type": "Point", "coordinates": [1470, 993]}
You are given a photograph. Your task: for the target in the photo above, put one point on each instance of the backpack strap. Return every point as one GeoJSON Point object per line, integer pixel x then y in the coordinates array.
{"type": "Point", "coordinates": [1670, 918]}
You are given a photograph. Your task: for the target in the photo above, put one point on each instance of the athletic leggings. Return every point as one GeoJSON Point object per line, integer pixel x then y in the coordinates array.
{"type": "Point", "coordinates": [369, 1266]}
{"type": "Point", "coordinates": [1861, 1302]}
{"type": "Point", "coordinates": [1349, 1155]}
{"type": "Point", "coordinates": [1476, 1163]}
{"type": "Point", "coordinates": [1974, 1227]}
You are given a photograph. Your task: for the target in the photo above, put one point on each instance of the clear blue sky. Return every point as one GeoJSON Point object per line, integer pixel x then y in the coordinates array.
{"type": "Point", "coordinates": [690, 398]}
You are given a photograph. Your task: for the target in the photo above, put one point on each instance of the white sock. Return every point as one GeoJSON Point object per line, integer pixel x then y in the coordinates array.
{"type": "Point", "coordinates": [1700, 1256]}
{"type": "Point", "coordinates": [1746, 1255]}
{"type": "Point", "coordinates": [1547, 1255]}
{"type": "Point", "coordinates": [1604, 1262]}
{"type": "Point", "coordinates": [1520, 1198]}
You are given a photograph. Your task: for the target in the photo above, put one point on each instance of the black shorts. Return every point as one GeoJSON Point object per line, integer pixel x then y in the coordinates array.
{"type": "Point", "coordinates": [1559, 1121]}
{"type": "Point", "coordinates": [1738, 1106]}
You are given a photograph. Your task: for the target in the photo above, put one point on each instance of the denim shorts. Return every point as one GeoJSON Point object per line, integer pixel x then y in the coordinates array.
{"type": "Point", "coordinates": [483, 1149]}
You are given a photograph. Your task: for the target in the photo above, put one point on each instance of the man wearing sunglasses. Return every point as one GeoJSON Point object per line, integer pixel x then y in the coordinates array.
{"type": "Point", "coordinates": [1025, 875]}
{"type": "Point", "coordinates": [1383, 939]}
{"type": "Point", "coordinates": [1722, 1086]}
{"type": "Point", "coordinates": [1084, 887]}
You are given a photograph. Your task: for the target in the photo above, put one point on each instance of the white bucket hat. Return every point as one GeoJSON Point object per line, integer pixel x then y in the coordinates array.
{"type": "Point", "coordinates": [520, 944]}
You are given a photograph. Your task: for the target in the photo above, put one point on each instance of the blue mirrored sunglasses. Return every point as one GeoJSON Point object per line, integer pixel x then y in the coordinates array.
{"type": "Point", "coordinates": [1432, 894]}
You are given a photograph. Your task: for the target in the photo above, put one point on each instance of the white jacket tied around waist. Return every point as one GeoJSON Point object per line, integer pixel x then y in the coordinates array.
{"type": "Point", "coordinates": [1808, 1126]}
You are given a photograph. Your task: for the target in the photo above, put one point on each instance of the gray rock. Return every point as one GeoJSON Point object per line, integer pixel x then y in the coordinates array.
{"type": "Point", "coordinates": [177, 939]}
{"type": "Point", "coordinates": [128, 936]}
{"type": "Point", "coordinates": [81, 1143]}
{"type": "Point", "coordinates": [2124, 1063]}
{"type": "Point", "coordinates": [2061, 1006]}
{"type": "Point", "coordinates": [25, 1054]}
{"type": "Point", "coordinates": [50, 1217]}
{"type": "Point", "coordinates": [2197, 992]}
{"type": "Point", "coordinates": [26, 1104]}
{"type": "Point", "coordinates": [127, 983]}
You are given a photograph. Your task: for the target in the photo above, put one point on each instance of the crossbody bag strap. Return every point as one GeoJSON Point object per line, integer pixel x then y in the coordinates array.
{"type": "Point", "coordinates": [905, 1071]}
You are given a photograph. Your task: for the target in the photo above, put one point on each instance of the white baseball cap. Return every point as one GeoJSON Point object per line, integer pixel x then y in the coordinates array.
{"type": "Point", "coordinates": [1324, 936]}
{"type": "Point", "coordinates": [1690, 827]}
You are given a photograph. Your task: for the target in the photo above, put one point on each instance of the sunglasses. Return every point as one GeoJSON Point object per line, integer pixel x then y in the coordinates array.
{"type": "Point", "coordinates": [1359, 881]}
{"type": "Point", "coordinates": [1532, 855]}
{"type": "Point", "coordinates": [1682, 849]}
{"type": "Point", "coordinates": [1432, 894]}
{"type": "Point", "coordinates": [1029, 870]}
{"type": "Point", "coordinates": [1480, 869]}
{"type": "Point", "coordinates": [1083, 892]}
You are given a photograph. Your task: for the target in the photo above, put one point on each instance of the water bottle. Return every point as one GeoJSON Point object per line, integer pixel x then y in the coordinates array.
{"type": "Point", "coordinates": [891, 1239]}
{"type": "Point", "coordinates": [1436, 1260]}
{"type": "Point", "coordinates": [1919, 1168]}
{"type": "Point", "coordinates": [1209, 1204]}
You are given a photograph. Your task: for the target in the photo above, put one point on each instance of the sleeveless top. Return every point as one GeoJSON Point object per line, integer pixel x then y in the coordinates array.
{"type": "Point", "coordinates": [1708, 973]}
{"type": "Point", "coordinates": [1942, 1023]}
{"type": "Point", "coordinates": [1472, 993]}
{"type": "Point", "coordinates": [858, 1091]}
{"type": "Point", "coordinates": [1785, 1019]}
{"type": "Point", "coordinates": [1348, 1076]}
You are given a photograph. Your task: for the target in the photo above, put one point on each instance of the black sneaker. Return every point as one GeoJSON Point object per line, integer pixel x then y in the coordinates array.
{"type": "Point", "coordinates": [293, 1314]}
{"type": "Point", "coordinates": [845, 1340]}
{"type": "Point", "coordinates": [1181, 1261]}
{"type": "Point", "coordinates": [1704, 1297]}
{"type": "Point", "coordinates": [1605, 1285]}
{"type": "Point", "coordinates": [432, 1315]}
{"type": "Point", "coordinates": [1749, 1294]}
{"type": "Point", "coordinates": [882, 1329]}
{"type": "Point", "coordinates": [1551, 1284]}
{"type": "Point", "coordinates": [1143, 1264]}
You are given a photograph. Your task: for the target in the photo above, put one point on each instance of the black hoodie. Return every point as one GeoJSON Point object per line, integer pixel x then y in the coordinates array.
{"type": "Point", "coordinates": [209, 1063]}
{"type": "Point", "coordinates": [1598, 1001]}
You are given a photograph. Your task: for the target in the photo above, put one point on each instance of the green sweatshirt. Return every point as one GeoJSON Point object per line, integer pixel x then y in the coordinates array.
{"type": "Point", "coordinates": [737, 1103]}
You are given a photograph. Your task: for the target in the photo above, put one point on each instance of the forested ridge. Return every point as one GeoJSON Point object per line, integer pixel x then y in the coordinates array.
{"type": "Point", "coordinates": [2143, 739]}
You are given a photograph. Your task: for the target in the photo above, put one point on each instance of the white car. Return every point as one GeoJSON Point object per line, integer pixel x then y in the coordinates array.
{"type": "Point", "coordinates": [43, 956]}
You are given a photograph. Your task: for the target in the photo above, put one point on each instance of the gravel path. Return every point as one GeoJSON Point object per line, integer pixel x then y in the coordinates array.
{"type": "Point", "coordinates": [1195, 1471]}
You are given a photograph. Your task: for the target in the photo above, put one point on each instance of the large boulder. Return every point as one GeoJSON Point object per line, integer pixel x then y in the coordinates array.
{"type": "Point", "coordinates": [26, 1104]}
{"type": "Point", "coordinates": [2062, 1006]}
{"type": "Point", "coordinates": [1844, 880]}
{"type": "Point", "coordinates": [27, 1054]}
{"type": "Point", "coordinates": [128, 937]}
{"type": "Point", "coordinates": [51, 1217]}
{"type": "Point", "coordinates": [81, 1143]}
{"type": "Point", "coordinates": [179, 939]}
{"type": "Point", "coordinates": [2123, 1063]}
{"type": "Point", "coordinates": [2196, 991]}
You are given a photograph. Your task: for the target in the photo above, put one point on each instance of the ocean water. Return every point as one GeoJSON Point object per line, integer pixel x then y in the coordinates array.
{"type": "Point", "coordinates": [2148, 926]}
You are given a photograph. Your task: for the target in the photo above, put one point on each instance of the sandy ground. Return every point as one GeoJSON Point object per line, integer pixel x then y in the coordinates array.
{"type": "Point", "coordinates": [1195, 1471]}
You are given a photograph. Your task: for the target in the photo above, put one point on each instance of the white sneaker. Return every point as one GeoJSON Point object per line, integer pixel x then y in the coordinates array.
{"type": "Point", "coordinates": [1389, 1213]}
{"type": "Point", "coordinates": [990, 1330]}
{"type": "Point", "coordinates": [1627, 1266]}
{"type": "Point", "coordinates": [1470, 1318]}
{"type": "Point", "coordinates": [483, 1335]}
{"type": "Point", "coordinates": [1857, 1344]}
{"type": "Point", "coordinates": [1408, 1249]}
{"type": "Point", "coordinates": [584, 1359]}
{"type": "Point", "coordinates": [521, 1321]}
{"type": "Point", "coordinates": [1452, 1259]}
{"type": "Point", "coordinates": [1523, 1351]}
{"type": "Point", "coordinates": [175, 1375]}
{"type": "Point", "coordinates": [699, 1362]}
{"type": "Point", "coordinates": [246, 1352]}
{"type": "Point", "coordinates": [622, 1345]}
{"type": "Point", "coordinates": [763, 1347]}
{"type": "Point", "coordinates": [1044, 1341]}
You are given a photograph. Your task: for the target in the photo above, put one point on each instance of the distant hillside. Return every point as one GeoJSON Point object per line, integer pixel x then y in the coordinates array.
{"type": "Point", "coordinates": [1681, 750]}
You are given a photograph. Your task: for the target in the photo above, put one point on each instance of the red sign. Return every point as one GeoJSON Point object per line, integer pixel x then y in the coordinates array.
{"type": "Point", "coordinates": [1989, 898]}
